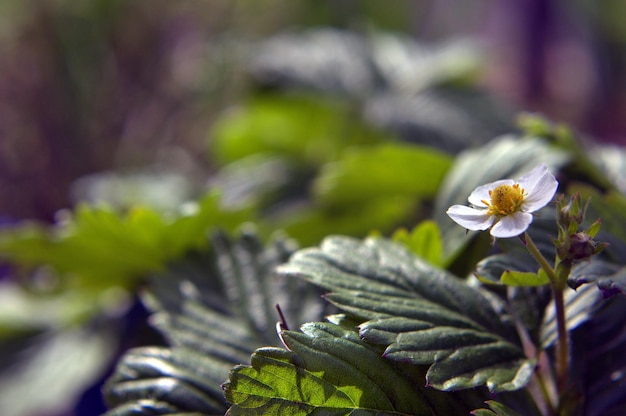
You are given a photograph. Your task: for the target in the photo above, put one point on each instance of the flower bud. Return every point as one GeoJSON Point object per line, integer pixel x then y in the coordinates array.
{"type": "Point", "coordinates": [572, 213]}
{"type": "Point", "coordinates": [581, 246]}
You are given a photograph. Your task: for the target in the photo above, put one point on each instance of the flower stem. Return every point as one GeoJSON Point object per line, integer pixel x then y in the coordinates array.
{"type": "Point", "coordinates": [562, 347]}
{"type": "Point", "coordinates": [534, 251]}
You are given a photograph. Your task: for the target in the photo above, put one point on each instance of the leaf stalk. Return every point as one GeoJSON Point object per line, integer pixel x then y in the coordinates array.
{"type": "Point", "coordinates": [562, 346]}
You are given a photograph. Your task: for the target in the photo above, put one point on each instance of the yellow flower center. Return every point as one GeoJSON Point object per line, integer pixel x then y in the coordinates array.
{"type": "Point", "coordinates": [505, 199]}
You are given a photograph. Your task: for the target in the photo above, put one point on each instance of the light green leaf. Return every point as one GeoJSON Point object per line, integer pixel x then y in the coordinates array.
{"type": "Point", "coordinates": [98, 247]}
{"type": "Point", "coordinates": [384, 170]}
{"type": "Point", "coordinates": [424, 241]}
{"type": "Point", "coordinates": [514, 278]}
{"type": "Point", "coordinates": [421, 314]}
{"type": "Point", "coordinates": [329, 370]}
{"type": "Point", "coordinates": [302, 129]}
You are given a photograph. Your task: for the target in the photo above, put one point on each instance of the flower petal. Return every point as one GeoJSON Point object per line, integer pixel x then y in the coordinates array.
{"type": "Point", "coordinates": [470, 218]}
{"type": "Point", "coordinates": [512, 225]}
{"type": "Point", "coordinates": [529, 180]}
{"type": "Point", "coordinates": [482, 192]}
{"type": "Point", "coordinates": [541, 193]}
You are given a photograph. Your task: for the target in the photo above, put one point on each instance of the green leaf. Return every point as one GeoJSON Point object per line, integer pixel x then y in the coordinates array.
{"type": "Point", "coordinates": [310, 226]}
{"type": "Point", "coordinates": [180, 379]}
{"type": "Point", "coordinates": [98, 248]}
{"type": "Point", "coordinates": [507, 157]}
{"type": "Point", "coordinates": [424, 241]}
{"type": "Point", "coordinates": [302, 129]}
{"type": "Point", "coordinates": [497, 409]}
{"type": "Point", "coordinates": [420, 313]}
{"type": "Point", "coordinates": [385, 170]}
{"type": "Point", "coordinates": [329, 370]}
{"type": "Point", "coordinates": [514, 278]}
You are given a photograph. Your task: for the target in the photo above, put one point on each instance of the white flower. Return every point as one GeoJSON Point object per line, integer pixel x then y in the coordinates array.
{"type": "Point", "coordinates": [506, 206]}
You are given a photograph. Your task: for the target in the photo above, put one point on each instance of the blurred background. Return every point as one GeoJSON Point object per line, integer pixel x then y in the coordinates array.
{"type": "Point", "coordinates": [121, 100]}
{"type": "Point", "coordinates": [111, 85]}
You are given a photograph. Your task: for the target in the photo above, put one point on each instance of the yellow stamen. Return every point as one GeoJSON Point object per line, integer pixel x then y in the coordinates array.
{"type": "Point", "coordinates": [505, 199]}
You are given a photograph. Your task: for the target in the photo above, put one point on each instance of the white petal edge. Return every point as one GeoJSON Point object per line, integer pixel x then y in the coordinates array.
{"type": "Point", "coordinates": [530, 180]}
{"type": "Point", "coordinates": [470, 218]}
{"type": "Point", "coordinates": [512, 225]}
{"type": "Point", "coordinates": [482, 192]}
{"type": "Point", "coordinates": [542, 193]}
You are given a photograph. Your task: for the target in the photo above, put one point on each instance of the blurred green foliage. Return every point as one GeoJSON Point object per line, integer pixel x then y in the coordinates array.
{"type": "Point", "coordinates": [307, 131]}
{"type": "Point", "coordinates": [95, 248]}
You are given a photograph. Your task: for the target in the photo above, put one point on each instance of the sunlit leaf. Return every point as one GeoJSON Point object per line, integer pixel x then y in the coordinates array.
{"type": "Point", "coordinates": [384, 170]}
{"type": "Point", "coordinates": [327, 369]}
{"type": "Point", "coordinates": [515, 278]}
{"type": "Point", "coordinates": [421, 314]}
{"type": "Point", "coordinates": [424, 241]}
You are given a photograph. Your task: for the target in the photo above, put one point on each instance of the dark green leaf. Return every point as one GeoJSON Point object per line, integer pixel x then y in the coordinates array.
{"type": "Point", "coordinates": [497, 409]}
{"type": "Point", "coordinates": [179, 379]}
{"type": "Point", "coordinates": [599, 362]}
{"type": "Point", "coordinates": [421, 314]}
{"type": "Point", "coordinates": [214, 310]}
{"type": "Point", "coordinates": [578, 308]}
{"type": "Point", "coordinates": [609, 277]}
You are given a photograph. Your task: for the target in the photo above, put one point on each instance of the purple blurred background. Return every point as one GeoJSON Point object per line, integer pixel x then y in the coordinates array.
{"type": "Point", "coordinates": [111, 84]}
